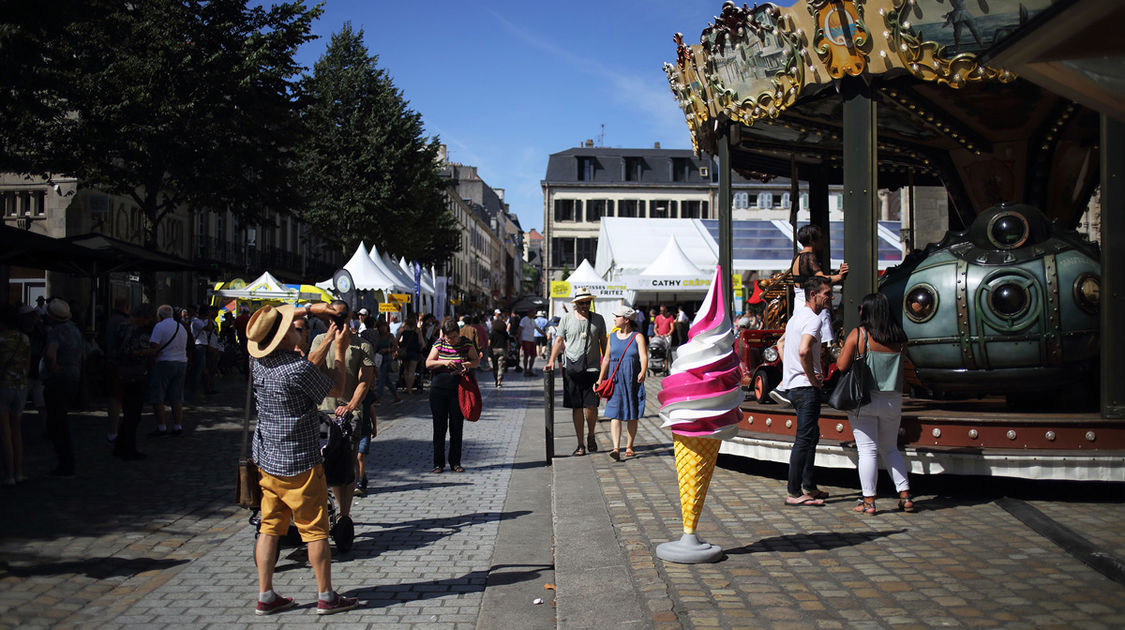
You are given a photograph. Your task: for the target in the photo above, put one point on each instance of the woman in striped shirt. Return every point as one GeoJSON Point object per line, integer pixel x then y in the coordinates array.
{"type": "Point", "coordinates": [450, 356]}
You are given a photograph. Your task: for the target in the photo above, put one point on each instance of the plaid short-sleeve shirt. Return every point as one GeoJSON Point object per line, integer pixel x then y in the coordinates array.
{"type": "Point", "coordinates": [287, 389]}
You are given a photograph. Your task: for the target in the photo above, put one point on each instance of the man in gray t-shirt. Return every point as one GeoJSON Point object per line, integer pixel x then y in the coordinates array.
{"type": "Point", "coordinates": [581, 334]}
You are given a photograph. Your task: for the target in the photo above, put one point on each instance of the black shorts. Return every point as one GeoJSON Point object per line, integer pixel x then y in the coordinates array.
{"type": "Point", "coordinates": [578, 390]}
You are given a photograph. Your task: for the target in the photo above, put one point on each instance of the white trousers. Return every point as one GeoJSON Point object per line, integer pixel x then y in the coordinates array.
{"type": "Point", "coordinates": [875, 426]}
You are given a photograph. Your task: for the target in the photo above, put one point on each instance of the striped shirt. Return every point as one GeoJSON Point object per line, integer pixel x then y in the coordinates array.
{"type": "Point", "coordinates": [287, 390]}
{"type": "Point", "coordinates": [450, 352]}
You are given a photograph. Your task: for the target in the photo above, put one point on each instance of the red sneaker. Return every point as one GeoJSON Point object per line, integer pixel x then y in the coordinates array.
{"type": "Point", "coordinates": [278, 604]}
{"type": "Point", "coordinates": [340, 604]}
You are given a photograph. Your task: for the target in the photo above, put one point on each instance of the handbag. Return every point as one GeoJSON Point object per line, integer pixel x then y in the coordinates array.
{"type": "Point", "coordinates": [247, 491]}
{"type": "Point", "coordinates": [468, 396]}
{"type": "Point", "coordinates": [605, 389]}
{"type": "Point", "coordinates": [853, 390]}
{"type": "Point", "coordinates": [578, 367]}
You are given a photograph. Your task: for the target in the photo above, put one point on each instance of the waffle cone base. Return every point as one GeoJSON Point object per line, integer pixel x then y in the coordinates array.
{"type": "Point", "coordinates": [695, 464]}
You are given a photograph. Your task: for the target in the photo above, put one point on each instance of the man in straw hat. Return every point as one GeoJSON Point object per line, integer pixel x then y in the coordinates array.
{"type": "Point", "coordinates": [288, 389]}
{"type": "Point", "coordinates": [61, 371]}
{"type": "Point", "coordinates": [582, 334]}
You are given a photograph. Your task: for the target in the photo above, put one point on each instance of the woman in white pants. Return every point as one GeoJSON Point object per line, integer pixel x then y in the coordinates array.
{"type": "Point", "coordinates": [875, 425]}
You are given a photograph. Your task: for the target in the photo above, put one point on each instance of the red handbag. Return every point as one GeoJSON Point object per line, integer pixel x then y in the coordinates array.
{"type": "Point", "coordinates": [468, 396]}
{"type": "Point", "coordinates": [605, 389]}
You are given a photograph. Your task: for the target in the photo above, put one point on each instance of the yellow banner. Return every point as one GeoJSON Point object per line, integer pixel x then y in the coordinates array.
{"type": "Point", "coordinates": [560, 289]}
{"type": "Point", "coordinates": [736, 282]}
{"type": "Point", "coordinates": [399, 298]}
{"type": "Point", "coordinates": [388, 308]}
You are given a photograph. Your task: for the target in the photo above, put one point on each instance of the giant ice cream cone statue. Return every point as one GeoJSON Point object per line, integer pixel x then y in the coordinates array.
{"type": "Point", "coordinates": [700, 403]}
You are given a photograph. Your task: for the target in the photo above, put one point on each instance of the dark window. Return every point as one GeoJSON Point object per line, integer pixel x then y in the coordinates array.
{"type": "Point", "coordinates": [661, 209]}
{"type": "Point", "coordinates": [634, 166]}
{"type": "Point", "coordinates": [693, 209]}
{"type": "Point", "coordinates": [630, 208]}
{"type": "Point", "coordinates": [562, 252]}
{"type": "Point", "coordinates": [596, 209]}
{"type": "Point", "coordinates": [564, 209]}
{"type": "Point", "coordinates": [586, 167]}
{"type": "Point", "coordinates": [586, 248]}
{"type": "Point", "coordinates": [682, 169]}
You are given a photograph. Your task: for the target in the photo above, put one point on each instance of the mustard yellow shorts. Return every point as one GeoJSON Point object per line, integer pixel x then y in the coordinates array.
{"type": "Point", "coordinates": [303, 497]}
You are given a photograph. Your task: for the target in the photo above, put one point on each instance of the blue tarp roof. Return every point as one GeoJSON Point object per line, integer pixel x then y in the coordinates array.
{"type": "Point", "coordinates": [767, 245]}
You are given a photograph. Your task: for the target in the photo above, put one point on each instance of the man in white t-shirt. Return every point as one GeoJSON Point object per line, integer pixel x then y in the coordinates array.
{"type": "Point", "coordinates": [166, 382]}
{"type": "Point", "coordinates": [528, 329]}
{"type": "Point", "coordinates": [802, 380]}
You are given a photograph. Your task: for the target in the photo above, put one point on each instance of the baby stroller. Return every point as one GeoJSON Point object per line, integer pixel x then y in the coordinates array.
{"type": "Point", "coordinates": [660, 354]}
{"type": "Point", "coordinates": [337, 448]}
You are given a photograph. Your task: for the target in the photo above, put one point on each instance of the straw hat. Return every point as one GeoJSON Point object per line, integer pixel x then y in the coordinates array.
{"type": "Point", "coordinates": [582, 296]}
{"type": "Point", "coordinates": [266, 329]}
{"type": "Point", "coordinates": [58, 310]}
{"type": "Point", "coordinates": [624, 311]}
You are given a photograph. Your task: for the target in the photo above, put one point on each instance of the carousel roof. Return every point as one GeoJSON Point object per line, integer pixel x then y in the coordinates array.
{"type": "Point", "coordinates": [947, 112]}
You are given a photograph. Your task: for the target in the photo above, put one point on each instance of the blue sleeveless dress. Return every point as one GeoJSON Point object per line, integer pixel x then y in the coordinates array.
{"type": "Point", "coordinates": [628, 400]}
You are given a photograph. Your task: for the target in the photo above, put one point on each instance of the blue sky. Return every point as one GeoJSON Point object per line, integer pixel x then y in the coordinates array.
{"type": "Point", "coordinates": [505, 84]}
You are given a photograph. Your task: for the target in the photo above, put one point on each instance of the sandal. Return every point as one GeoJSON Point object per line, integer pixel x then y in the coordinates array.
{"type": "Point", "coordinates": [615, 455]}
{"type": "Point", "coordinates": [591, 445]}
{"type": "Point", "coordinates": [865, 507]}
{"type": "Point", "coordinates": [816, 493]}
{"type": "Point", "coordinates": [630, 453]}
{"type": "Point", "coordinates": [579, 452]}
{"type": "Point", "coordinates": [457, 469]}
{"type": "Point", "coordinates": [906, 504]}
{"type": "Point", "coordinates": [437, 470]}
{"type": "Point", "coordinates": [803, 500]}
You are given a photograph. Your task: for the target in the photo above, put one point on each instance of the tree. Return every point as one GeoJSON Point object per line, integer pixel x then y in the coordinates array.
{"type": "Point", "coordinates": [366, 169]}
{"type": "Point", "coordinates": [169, 103]}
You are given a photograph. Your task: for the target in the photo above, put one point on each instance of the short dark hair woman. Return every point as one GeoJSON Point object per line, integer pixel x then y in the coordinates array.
{"type": "Point", "coordinates": [881, 340]}
{"type": "Point", "coordinates": [806, 265]}
{"type": "Point", "coordinates": [450, 356]}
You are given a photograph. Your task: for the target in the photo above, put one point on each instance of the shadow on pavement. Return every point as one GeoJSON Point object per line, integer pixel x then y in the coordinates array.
{"type": "Point", "coordinates": [97, 568]}
{"type": "Point", "coordinates": [417, 533]}
{"type": "Point", "coordinates": [811, 542]}
{"type": "Point", "coordinates": [472, 582]}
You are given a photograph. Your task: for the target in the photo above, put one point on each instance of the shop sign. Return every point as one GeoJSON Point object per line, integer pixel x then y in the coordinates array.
{"type": "Point", "coordinates": [399, 298]}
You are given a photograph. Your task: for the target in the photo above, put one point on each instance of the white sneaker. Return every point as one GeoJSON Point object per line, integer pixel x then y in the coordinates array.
{"type": "Point", "coordinates": [780, 398]}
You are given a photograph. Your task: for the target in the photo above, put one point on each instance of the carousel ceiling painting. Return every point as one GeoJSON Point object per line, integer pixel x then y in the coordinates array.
{"type": "Point", "coordinates": [945, 116]}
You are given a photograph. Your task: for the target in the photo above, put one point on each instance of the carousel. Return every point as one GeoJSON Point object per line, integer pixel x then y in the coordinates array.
{"type": "Point", "coordinates": [1016, 109]}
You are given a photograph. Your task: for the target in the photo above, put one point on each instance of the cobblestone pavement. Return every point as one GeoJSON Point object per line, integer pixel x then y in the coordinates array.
{"type": "Point", "coordinates": [157, 543]}
{"type": "Point", "coordinates": [960, 561]}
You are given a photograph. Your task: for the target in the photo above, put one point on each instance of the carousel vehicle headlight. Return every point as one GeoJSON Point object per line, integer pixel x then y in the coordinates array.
{"type": "Point", "coordinates": [1008, 230]}
{"type": "Point", "coordinates": [1009, 299]}
{"type": "Point", "coordinates": [1088, 292]}
{"type": "Point", "coordinates": [920, 303]}
{"type": "Point", "coordinates": [770, 354]}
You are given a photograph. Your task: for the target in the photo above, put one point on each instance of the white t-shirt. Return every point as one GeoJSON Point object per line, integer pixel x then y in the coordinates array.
{"type": "Point", "coordinates": [804, 322]}
{"type": "Point", "coordinates": [527, 329]}
{"type": "Point", "coordinates": [826, 334]}
{"type": "Point", "coordinates": [162, 332]}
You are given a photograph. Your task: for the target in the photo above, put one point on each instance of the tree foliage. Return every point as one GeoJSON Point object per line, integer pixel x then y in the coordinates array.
{"type": "Point", "coordinates": [169, 102]}
{"type": "Point", "coordinates": [368, 172]}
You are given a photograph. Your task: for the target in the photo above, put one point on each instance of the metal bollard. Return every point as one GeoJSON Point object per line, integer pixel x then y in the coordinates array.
{"type": "Point", "coordinates": [549, 412]}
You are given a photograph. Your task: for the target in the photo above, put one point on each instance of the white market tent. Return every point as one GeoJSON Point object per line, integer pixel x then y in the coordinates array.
{"type": "Point", "coordinates": [267, 287]}
{"type": "Point", "coordinates": [365, 275]}
{"type": "Point", "coordinates": [397, 284]}
{"type": "Point", "coordinates": [626, 246]}
{"type": "Point", "coordinates": [606, 295]}
{"type": "Point", "coordinates": [670, 274]}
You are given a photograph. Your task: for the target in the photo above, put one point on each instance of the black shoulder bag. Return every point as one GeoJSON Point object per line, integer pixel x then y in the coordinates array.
{"type": "Point", "coordinates": [853, 390]}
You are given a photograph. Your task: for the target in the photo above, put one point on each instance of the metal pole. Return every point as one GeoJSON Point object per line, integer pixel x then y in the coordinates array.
{"type": "Point", "coordinates": [913, 243]}
{"type": "Point", "coordinates": [859, 197]}
{"type": "Point", "coordinates": [725, 241]}
{"type": "Point", "coordinates": [549, 413]}
{"type": "Point", "coordinates": [1113, 260]}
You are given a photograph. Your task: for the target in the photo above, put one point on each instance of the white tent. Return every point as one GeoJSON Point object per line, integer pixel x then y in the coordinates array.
{"type": "Point", "coordinates": [397, 284]}
{"type": "Point", "coordinates": [606, 295]}
{"type": "Point", "coordinates": [400, 273]}
{"type": "Point", "coordinates": [672, 274]}
{"type": "Point", "coordinates": [626, 246]}
{"type": "Point", "coordinates": [266, 287]}
{"type": "Point", "coordinates": [365, 275]}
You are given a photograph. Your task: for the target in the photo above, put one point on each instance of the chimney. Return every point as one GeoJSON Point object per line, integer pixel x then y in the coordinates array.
{"type": "Point", "coordinates": [589, 144]}
{"type": "Point", "coordinates": [656, 145]}
{"type": "Point", "coordinates": [442, 156]}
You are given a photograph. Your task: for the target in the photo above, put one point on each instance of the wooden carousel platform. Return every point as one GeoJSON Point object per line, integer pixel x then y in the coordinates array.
{"type": "Point", "coordinates": [969, 437]}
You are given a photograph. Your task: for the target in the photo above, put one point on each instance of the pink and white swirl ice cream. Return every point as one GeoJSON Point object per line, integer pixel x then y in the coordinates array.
{"type": "Point", "coordinates": [702, 395]}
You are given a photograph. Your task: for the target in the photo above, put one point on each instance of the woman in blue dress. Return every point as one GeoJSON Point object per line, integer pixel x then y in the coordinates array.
{"type": "Point", "coordinates": [628, 400]}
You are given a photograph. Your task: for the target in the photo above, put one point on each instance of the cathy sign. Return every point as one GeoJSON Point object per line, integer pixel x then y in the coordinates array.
{"type": "Point", "coordinates": [677, 284]}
